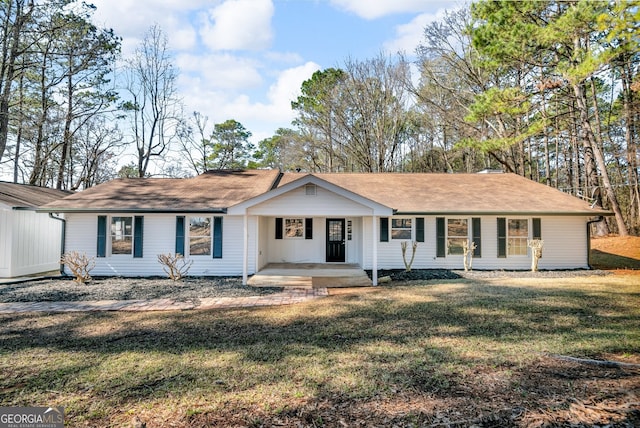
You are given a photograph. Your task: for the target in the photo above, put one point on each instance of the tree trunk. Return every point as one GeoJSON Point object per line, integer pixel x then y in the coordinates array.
{"type": "Point", "coordinates": [592, 149]}
{"type": "Point", "coordinates": [11, 54]}
{"type": "Point", "coordinates": [65, 152]}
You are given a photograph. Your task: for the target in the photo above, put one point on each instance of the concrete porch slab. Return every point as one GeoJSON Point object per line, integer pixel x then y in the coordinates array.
{"type": "Point", "coordinates": [310, 275]}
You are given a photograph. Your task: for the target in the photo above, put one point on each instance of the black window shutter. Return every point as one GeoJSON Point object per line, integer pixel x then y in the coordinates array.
{"type": "Point", "coordinates": [502, 237]}
{"type": "Point", "coordinates": [278, 228]}
{"type": "Point", "coordinates": [441, 238]}
{"type": "Point", "coordinates": [138, 233]}
{"type": "Point", "coordinates": [384, 229]}
{"type": "Point", "coordinates": [537, 228]}
{"type": "Point", "coordinates": [102, 236]}
{"type": "Point", "coordinates": [308, 228]}
{"type": "Point", "coordinates": [419, 229]}
{"type": "Point", "coordinates": [180, 235]}
{"type": "Point", "coordinates": [476, 233]}
{"type": "Point", "coordinates": [217, 237]}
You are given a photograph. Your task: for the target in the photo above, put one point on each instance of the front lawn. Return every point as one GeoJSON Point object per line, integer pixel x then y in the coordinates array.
{"type": "Point", "coordinates": [447, 353]}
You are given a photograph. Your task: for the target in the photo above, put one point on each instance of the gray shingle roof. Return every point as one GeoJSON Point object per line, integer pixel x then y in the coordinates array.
{"type": "Point", "coordinates": [405, 193]}
{"type": "Point", "coordinates": [26, 196]}
{"type": "Point", "coordinates": [209, 192]}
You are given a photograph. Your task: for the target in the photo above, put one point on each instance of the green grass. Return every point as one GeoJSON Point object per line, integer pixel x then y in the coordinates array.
{"type": "Point", "coordinates": [408, 355]}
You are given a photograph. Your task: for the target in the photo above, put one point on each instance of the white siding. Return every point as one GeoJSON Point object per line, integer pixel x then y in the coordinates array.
{"type": "Point", "coordinates": [6, 236]}
{"type": "Point", "coordinates": [29, 243]}
{"type": "Point", "coordinates": [159, 238]}
{"type": "Point", "coordinates": [565, 247]}
{"type": "Point", "coordinates": [564, 237]}
{"type": "Point", "coordinates": [297, 203]}
{"type": "Point", "coordinates": [300, 250]}
{"type": "Point", "coordinates": [296, 250]}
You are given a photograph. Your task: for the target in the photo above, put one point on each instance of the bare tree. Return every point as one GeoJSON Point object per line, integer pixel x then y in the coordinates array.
{"type": "Point", "coordinates": [153, 106]}
{"type": "Point", "coordinates": [15, 16]}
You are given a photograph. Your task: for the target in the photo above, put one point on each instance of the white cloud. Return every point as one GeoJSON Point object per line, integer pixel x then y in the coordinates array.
{"type": "Point", "coordinates": [373, 9]}
{"type": "Point", "coordinates": [410, 35]}
{"type": "Point", "coordinates": [221, 71]}
{"type": "Point", "coordinates": [262, 118]}
{"type": "Point", "coordinates": [238, 24]}
{"type": "Point", "coordinates": [131, 18]}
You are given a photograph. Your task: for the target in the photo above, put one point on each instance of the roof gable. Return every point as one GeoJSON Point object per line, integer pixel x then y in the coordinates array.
{"type": "Point", "coordinates": [300, 180]}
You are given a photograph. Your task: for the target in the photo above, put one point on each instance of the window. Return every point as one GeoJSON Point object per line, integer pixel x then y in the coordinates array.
{"type": "Point", "coordinates": [457, 235]}
{"type": "Point", "coordinates": [121, 235]}
{"type": "Point", "coordinates": [517, 235]}
{"type": "Point", "coordinates": [294, 228]}
{"type": "Point", "coordinates": [400, 228]}
{"type": "Point", "coordinates": [200, 236]}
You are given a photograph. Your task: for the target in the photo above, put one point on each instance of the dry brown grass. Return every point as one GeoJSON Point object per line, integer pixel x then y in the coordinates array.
{"type": "Point", "coordinates": [452, 353]}
{"type": "Point", "coordinates": [616, 252]}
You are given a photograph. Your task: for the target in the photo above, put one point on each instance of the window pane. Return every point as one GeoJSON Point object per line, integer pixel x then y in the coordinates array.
{"type": "Point", "coordinates": [199, 236]}
{"type": "Point", "coordinates": [457, 234]}
{"type": "Point", "coordinates": [294, 228]}
{"type": "Point", "coordinates": [335, 230]}
{"type": "Point", "coordinates": [401, 234]}
{"type": "Point", "coordinates": [401, 223]}
{"type": "Point", "coordinates": [121, 245]}
{"type": "Point", "coordinates": [199, 246]}
{"type": "Point", "coordinates": [518, 228]}
{"type": "Point", "coordinates": [517, 237]}
{"type": "Point", "coordinates": [200, 226]}
{"type": "Point", "coordinates": [455, 245]}
{"type": "Point", "coordinates": [517, 247]}
{"type": "Point", "coordinates": [400, 228]}
{"type": "Point", "coordinates": [457, 227]}
{"type": "Point", "coordinates": [121, 235]}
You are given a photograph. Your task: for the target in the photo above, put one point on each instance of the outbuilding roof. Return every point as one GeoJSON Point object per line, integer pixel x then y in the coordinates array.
{"type": "Point", "coordinates": [26, 196]}
{"type": "Point", "coordinates": [405, 193]}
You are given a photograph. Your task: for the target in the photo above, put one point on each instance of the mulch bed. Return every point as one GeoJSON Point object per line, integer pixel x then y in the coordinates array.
{"type": "Point", "coordinates": [118, 288]}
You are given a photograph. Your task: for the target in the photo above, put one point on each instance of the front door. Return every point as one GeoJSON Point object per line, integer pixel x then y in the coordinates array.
{"type": "Point", "coordinates": [335, 240]}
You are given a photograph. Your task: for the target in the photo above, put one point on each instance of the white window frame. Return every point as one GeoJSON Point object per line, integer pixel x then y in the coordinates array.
{"type": "Point", "coordinates": [522, 239]}
{"type": "Point", "coordinates": [297, 225]}
{"type": "Point", "coordinates": [189, 236]}
{"type": "Point", "coordinates": [124, 235]}
{"type": "Point", "coordinates": [448, 237]}
{"type": "Point", "coordinates": [401, 228]}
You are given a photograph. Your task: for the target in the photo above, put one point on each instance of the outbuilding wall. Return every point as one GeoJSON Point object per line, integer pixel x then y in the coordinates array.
{"type": "Point", "coordinates": [29, 243]}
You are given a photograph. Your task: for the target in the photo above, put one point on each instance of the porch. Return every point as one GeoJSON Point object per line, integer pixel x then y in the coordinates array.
{"type": "Point", "coordinates": [311, 275]}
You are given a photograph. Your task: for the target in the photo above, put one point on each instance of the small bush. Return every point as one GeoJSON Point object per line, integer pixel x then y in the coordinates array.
{"type": "Point", "coordinates": [175, 266]}
{"type": "Point", "coordinates": [79, 264]}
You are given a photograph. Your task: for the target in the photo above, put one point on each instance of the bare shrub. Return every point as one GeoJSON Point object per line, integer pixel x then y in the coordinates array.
{"type": "Point", "coordinates": [175, 266]}
{"type": "Point", "coordinates": [468, 247]}
{"type": "Point", "coordinates": [536, 252]}
{"type": "Point", "coordinates": [79, 264]}
{"type": "Point", "coordinates": [403, 246]}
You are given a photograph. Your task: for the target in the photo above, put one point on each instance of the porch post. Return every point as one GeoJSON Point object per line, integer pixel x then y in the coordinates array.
{"type": "Point", "coordinates": [245, 249]}
{"type": "Point", "coordinates": [374, 248]}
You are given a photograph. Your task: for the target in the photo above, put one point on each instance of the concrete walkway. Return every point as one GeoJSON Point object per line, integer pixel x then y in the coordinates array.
{"type": "Point", "coordinates": [287, 297]}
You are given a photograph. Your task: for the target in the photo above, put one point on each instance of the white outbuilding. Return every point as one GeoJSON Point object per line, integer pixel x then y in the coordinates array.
{"type": "Point", "coordinates": [30, 242]}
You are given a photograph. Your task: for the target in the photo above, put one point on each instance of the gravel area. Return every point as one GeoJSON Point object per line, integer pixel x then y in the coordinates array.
{"type": "Point", "coordinates": [434, 274]}
{"type": "Point", "coordinates": [194, 288]}
{"type": "Point", "coordinates": [117, 288]}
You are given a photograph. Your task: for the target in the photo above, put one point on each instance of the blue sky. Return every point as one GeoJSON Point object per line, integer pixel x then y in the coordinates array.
{"type": "Point", "coordinates": [246, 59]}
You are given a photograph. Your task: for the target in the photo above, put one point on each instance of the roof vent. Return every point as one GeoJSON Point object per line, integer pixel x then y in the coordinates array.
{"type": "Point", "coordinates": [310, 189]}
